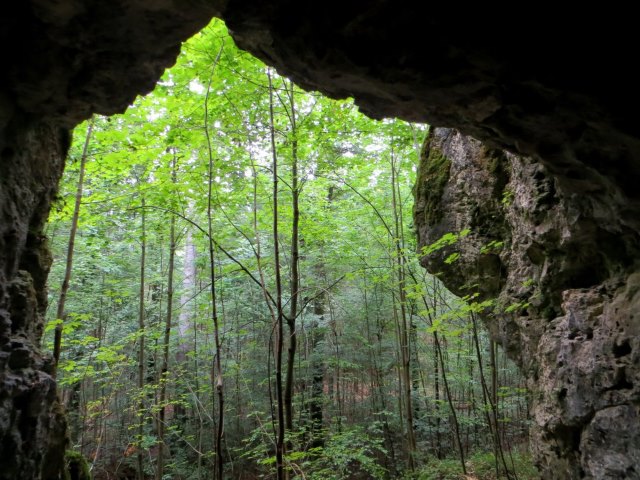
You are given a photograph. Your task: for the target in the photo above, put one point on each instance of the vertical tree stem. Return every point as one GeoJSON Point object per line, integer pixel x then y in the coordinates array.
{"type": "Point", "coordinates": [57, 340]}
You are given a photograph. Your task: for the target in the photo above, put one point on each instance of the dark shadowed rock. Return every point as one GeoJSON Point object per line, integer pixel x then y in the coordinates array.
{"type": "Point", "coordinates": [62, 61]}
{"type": "Point", "coordinates": [557, 85]}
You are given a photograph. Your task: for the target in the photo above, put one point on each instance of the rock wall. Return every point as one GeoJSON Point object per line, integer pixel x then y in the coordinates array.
{"type": "Point", "coordinates": [556, 246]}
{"type": "Point", "coordinates": [62, 61]}
{"type": "Point", "coordinates": [32, 425]}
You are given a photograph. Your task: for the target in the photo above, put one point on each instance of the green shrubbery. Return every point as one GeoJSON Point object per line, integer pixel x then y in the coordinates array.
{"type": "Point", "coordinates": [480, 466]}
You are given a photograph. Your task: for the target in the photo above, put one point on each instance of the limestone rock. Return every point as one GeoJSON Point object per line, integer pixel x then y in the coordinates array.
{"type": "Point", "coordinates": [569, 261]}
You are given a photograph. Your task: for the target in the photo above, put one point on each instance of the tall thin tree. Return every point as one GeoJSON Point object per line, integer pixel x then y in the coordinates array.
{"type": "Point", "coordinates": [141, 333]}
{"type": "Point", "coordinates": [279, 327]}
{"type": "Point", "coordinates": [294, 280]}
{"type": "Point", "coordinates": [60, 314]}
{"type": "Point", "coordinates": [405, 347]}
{"type": "Point", "coordinates": [164, 371]}
{"type": "Point", "coordinates": [217, 363]}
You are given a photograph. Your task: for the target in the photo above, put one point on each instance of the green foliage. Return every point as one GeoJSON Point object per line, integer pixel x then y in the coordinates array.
{"type": "Point", "coordinates": [517, 306]}
{"type": "Point", "coordinates": [492, 246]}
{"type": "Point", "coordinates": [446, 240]}
{"type": "Point", "coordinates": [452, 258]}
{"type": "Point", "coordinates": [76, 466]}
{"type": "Point", "coordinates": [507, 197]}
{"type": "Point", "coordinates": [480, 465]}
{"type": "Point", "coordinates": [352, 453]}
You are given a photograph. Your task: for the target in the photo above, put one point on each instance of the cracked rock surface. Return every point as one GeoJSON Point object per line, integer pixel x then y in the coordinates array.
{"type": "Point", "coordinates": [570, 261]}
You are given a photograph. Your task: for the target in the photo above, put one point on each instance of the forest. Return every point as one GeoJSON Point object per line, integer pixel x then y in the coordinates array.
{"type": "Point", "coordinates": [236, 293]}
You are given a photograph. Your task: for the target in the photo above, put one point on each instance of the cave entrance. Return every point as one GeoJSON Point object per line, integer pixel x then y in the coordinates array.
{"type": "Point", "coordinates": [179, 194]}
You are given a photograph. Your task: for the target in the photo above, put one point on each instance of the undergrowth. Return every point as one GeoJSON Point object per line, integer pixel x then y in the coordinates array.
{"type": "Point", "coordinates": [480, 466]}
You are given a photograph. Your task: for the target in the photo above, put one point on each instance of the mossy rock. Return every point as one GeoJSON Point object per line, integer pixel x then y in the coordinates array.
{"type": "Point", "coordinates": [76, 466]}
{"type": "Point", "coordinates": [432, 178]}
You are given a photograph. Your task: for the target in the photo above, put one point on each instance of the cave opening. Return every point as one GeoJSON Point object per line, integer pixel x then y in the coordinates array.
{"type": "Point", "coordinates": [209, 124]}
{"type": "Point", "coordinates": [572, 159]}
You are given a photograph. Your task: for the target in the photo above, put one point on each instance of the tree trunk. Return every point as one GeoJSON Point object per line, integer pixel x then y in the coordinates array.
{"type": "Point", "coordinates": [188, 290]}
{"type": "Point", "coordinates": [60, 314]}
{"type": "Point", "coordinates": [217, 364]}
{"type": "Point", "coordinates": [295, 259]}
{"type": "Point", "coordinates": [164, 372]}
{"type": "Point", "coordinates": [141, 332]}
{"type": "Point", "coordinates": [280, 445]}
{"type": "Point", "coordinates": [405, 350]}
